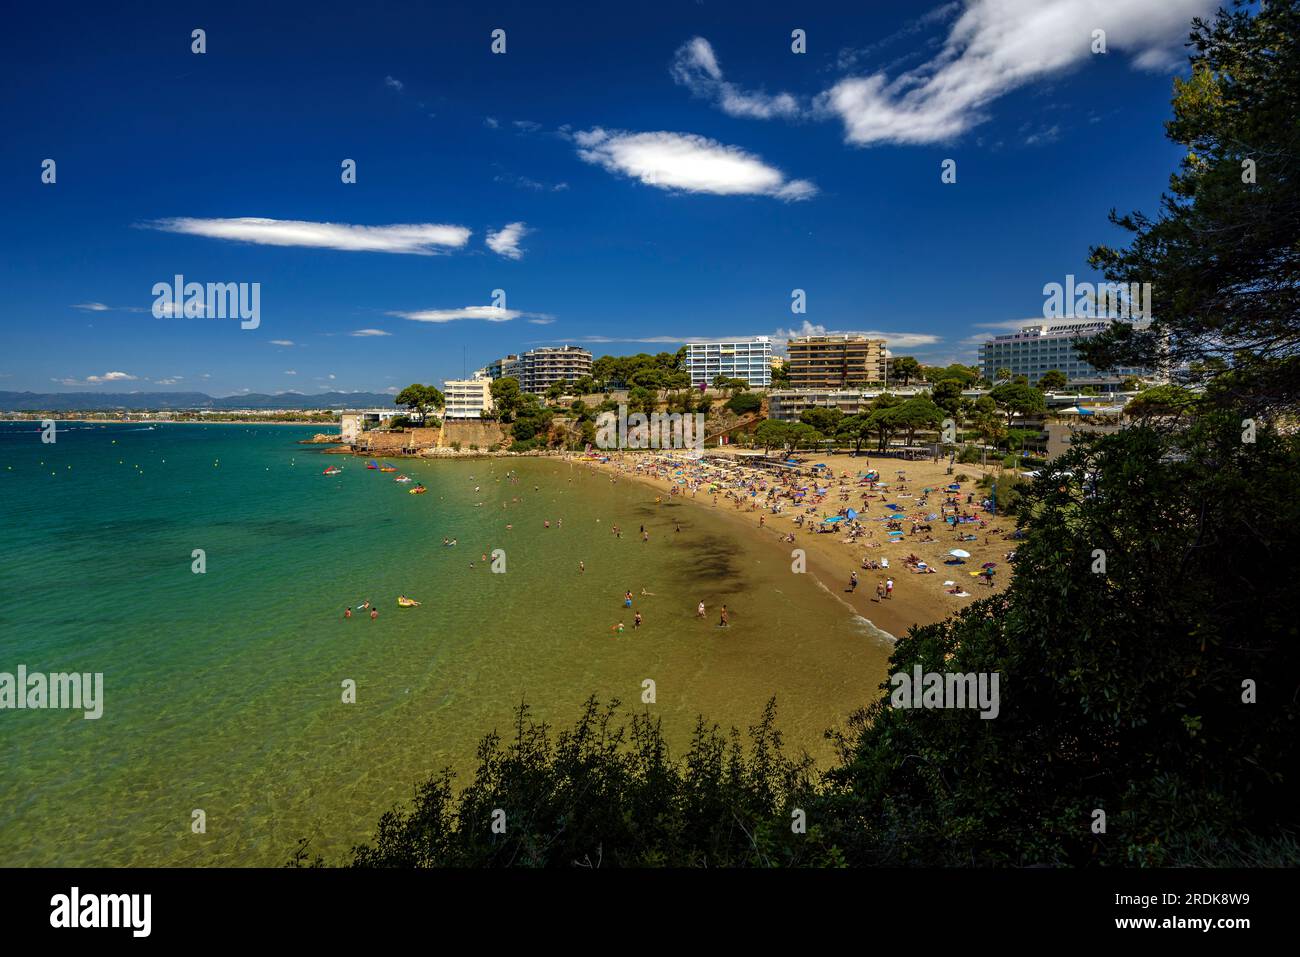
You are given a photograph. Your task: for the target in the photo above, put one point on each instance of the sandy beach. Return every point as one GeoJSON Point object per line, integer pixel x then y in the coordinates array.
{"type": "Point", "coordinates": [926, 590]}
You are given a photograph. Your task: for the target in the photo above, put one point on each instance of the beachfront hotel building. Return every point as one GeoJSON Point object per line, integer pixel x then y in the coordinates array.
{"type": "Point", "coordinates": [749, 359]}
{"type": "Point", "coordinates": [467, 398]}
{"type": "Point", "coordinates": [1042, 346]}
{"type": "Point", "coordinates": [836, 362]}
{"type": "Point", "coordinates": [537, 369]}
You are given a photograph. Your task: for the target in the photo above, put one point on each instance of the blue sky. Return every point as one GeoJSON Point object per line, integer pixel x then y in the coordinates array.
{"type": "Point", "coordinates": [631, 178]}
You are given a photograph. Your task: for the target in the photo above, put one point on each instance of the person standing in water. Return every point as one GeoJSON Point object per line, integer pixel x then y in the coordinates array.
{"type": "Point", "coordinates": [582, 566]}
{"type": "Point", "coordinates": [636, 620]}
{"type": "Point", "coordinates": [347, 613]}
{"type": "Point", "coordinates": [699, 610]}
{"type": "Point", "coordinates": [374, 613]}
{"type": "Point", "coordinates": [722, 623]}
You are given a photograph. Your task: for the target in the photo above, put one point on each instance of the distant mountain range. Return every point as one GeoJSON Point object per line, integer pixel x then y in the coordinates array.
{"type": "Point", "coordinates": [180, 401]}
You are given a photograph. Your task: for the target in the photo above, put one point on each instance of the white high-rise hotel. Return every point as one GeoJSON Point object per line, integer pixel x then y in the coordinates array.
{"type": "Point", "coordinates": [1041, 346]}
{"type": "Point", "coordinates": [749, 359]}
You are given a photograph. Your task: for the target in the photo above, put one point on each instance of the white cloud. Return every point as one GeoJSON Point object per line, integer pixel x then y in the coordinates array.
{"type": "Point", "coordinates": [490, 122]}
{"type": "Point", "coordinates": [92, 306]}
{"type": "Point", "coordinates": [527, 126]}
{"type": "Point", "coordinates": [685, 161]}
{"type": "Point", "coordinates": [993, 48]}
{"type": "Point", "coordinates": [370, 332]}
{"type": "Point", "coordinates": [485, 313]}
{"type": "Point", "coordinates": [290, 371]}
{"type": "Point", "coordinates": [281, 342]}
{"type": "Point", "coordinates": [169, 380]}
{"type": "Point", "coordinates": [541, 322]}
{"type": "Point", "coordinates": [394, 84]}
{"type": "Point", "coordinates": [421, 239]}
{"type": "Point", "coordinates": [695, 66]}
{"type": "Point", "coordinates": [99, 379]}
{"type": "Point", "coordinates": [505, 241]}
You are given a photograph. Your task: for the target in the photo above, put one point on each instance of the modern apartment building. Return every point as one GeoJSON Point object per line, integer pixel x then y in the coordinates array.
{"type": "Point", "coordinates": [749, 359]}
{"type": "Point", "coordinates": [836, 361]}
{"type": "Point", "coordinates": [498, 368]}
{"type": "Point", "coordinates": [1040, 347]}
{"type": "Point", "coordinates": [536, 369]}
{"type": "Point", "coordinates": [467, 398]}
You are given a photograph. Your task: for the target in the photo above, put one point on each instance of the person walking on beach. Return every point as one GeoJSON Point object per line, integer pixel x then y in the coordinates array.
{"type": "Point", "coordinates": [880, 591]}
{"type": "Point", "coordinates": [853, 581]}
{"type": "Point", "coordinates": [889, 588]}
{"type": "Point", "coordinates": [722, 623]}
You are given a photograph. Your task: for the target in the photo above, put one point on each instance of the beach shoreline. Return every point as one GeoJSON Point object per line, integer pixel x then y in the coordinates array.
{"type": "Point", "coordinates": [917, 600]}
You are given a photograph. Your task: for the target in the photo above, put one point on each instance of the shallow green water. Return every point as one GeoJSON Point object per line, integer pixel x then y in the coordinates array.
{"type": "Point", "coordinates": [223, 690]}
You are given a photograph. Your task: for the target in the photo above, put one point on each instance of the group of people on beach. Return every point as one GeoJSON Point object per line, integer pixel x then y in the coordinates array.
{"type": "Point", "coordinates": [700, 612]}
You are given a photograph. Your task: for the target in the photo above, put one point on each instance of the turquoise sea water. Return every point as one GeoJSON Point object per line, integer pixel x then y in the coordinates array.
{"type": "Point", "coordinates": [223, 689]}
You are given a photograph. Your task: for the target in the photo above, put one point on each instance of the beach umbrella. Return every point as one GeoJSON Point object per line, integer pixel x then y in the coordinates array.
{"type": "Point", "coordinates": [959, 553]}
{"type": "Point", "coordinates": [1085, 411]}
{"type": "Point", "coordinates": [990, 565]}
{"type": "Point", "coordinates": [898, 515]}
{"type": "Point", "coordinates": [851, 514]}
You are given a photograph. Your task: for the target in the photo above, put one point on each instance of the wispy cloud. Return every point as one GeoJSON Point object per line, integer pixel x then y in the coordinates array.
{"type": "Point", "coordinates": [525, 182]}
{"type": "Point", "coordinates": [290, 371]}
{"type": "Point", "coordinates": [99, 379]}
{"type": "Point", "coordinates": [169, 380]}
{"type": "Point", "coordinates": [505, 241]}
{"type": "Point", "coordinates": [394, 84]}
{"type": "Point", "coordinates": [420, 239]}
{"type": "Point", "coordinates": [687, 162]}
{"type": "Point", "coordinates": [370, 332]}
{"type": "Point", "coordinates": [101, 307]}
{"type": "Point", "coordinates": [484, 313]}
{"type": "Point", "coordinates": [995, 47]}
{"type": "Point", "coordinates": [281, 342]}
{"type": "Point", "coordinates": [695, 66]}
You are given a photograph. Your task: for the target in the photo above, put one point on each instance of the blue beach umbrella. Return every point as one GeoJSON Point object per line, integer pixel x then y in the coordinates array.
{"type": "Point", "coordinates": [851, 514]}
